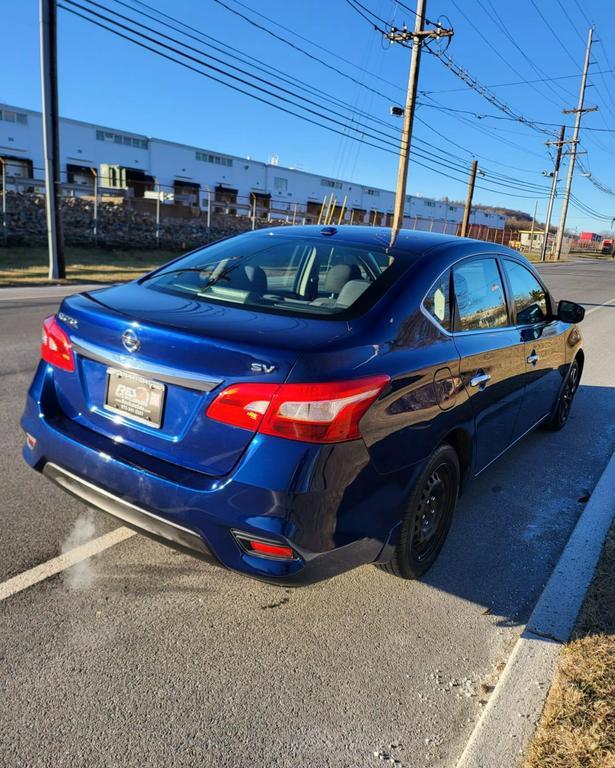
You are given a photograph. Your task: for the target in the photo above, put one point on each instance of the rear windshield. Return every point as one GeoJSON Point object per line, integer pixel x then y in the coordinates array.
{"type": "Point", "coordinates": [282, 274]}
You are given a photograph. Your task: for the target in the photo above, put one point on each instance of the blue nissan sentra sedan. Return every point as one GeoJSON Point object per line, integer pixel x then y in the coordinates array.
{"type": "Point", "coordinates": [295, 402]}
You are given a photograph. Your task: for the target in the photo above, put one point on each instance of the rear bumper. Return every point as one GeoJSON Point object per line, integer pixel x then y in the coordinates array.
{"type": "Point", "coordinates": [134, 517]}
{"type": "Point", "coordinates": [326, 502]}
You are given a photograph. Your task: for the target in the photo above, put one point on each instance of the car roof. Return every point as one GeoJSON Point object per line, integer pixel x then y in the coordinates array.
{"type": "Point", "coordinates": [415, 242]}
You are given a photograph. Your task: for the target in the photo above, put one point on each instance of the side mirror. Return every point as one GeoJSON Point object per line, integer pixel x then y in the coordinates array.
{"type": "Point", "coordinates": [570, 312]}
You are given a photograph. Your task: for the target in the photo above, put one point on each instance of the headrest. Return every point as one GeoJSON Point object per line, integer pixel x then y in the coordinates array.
{"type": "Point", "coordinates": [339, 275]}
{"type": "Point", "coordinates": [351, 292]}
{"type": "Point", "coordinates": [247, 278]}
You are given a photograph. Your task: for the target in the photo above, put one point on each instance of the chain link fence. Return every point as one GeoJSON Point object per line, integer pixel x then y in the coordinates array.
{"type": "Point", "coordinates": [158, 215]}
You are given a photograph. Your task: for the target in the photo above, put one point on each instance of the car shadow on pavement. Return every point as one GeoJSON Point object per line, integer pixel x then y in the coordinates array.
{"type": "Point", "coordinates": [513, 521]}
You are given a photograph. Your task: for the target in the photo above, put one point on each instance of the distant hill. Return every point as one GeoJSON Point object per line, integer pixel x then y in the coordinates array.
{"type": "Point", "coordinates": [514, 218]}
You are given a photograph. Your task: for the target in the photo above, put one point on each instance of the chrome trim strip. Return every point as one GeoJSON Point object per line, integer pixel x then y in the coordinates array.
{"type": "Point", "coordinates": [190, 380]}
{"type": "Point", "coordinates": [135, 517]}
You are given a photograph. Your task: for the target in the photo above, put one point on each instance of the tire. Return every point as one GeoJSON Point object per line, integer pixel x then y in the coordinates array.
{"type": "Point", "coordinates": [428, 516]}
{"type": "Point", "coordinates": [561, 411]}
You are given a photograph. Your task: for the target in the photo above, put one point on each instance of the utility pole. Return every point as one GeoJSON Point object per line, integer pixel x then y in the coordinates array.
{"type": "Point", "coordinates": [95, 219]}
{"type": "Point", "coordinates": [533, 227]}
{"type": "Point", "coordinates": [573, 148]}
{"type": "Point", "coordinates": [468, 209]}
{"type": "Point", "coordinates": [158, 194]}
{"type": "Point", "coordinates": [51, 137]}
{"type": "Point", "coordinates": [417, 37]}
{"type": "Point", "coordinates": [5, 231]}
{"type": "Point", "coordinates": [558, 159]}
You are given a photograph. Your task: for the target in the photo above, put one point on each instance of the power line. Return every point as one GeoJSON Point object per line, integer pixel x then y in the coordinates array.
{"type": "Point", "coordinates": [589, 211]}
{"type": "Point", "coordinates": [572, 24]}
{"type": "Point", "coordinates": [577, 33]}
{"type": "Point", "coordinates": [311, 42]}
{"type": "Point", "coordinates": [520, 82]}
{"type": "Point", "coordinates": [358, 4]}
{"type": "Point", "coordinates": [430, 127]}
{"type": "Point", "coordinates": [244, 58]}
{"type": "Point", "coordinates": [488, 42]}
{"type": "Point", "coordinates": [497, 20]}
{"type": "Point", "coordinates": [484, 116]}
{"type": "Point", "coordinates": [495, 186]}
{"type": "Point", "coordinates": [598, 184]}
{"type": "Point", "coordinates": [552, 31]}
{"type": "Point", "coordinates": [378, 134]}
{"type": "Point", "coordinates": [528, 186]}
{"type": "Point", "coordinates": [483, 91]}
{"type": "Point", "coordinates": [463, 75]}
{"type": "Point", "coordinates": [304, 52]}
{"type": "Point", "coordinates": [198, 71]}
{"type": "Point", "coordinates": [453, 164]}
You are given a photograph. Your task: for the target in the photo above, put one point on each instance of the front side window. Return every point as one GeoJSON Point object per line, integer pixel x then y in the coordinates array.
{"type": "Point", "coordinates": [479, 296]}
{"type": "Point", "coordinates": [528, 295]}
{"type": "Point", "coordinates": [276, 273]}
{"type": "Point", "coordinates": [437, 301]}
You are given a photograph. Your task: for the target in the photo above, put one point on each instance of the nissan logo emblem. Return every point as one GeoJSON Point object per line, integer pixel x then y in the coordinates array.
{"type": "Point", "coordinates": [130, 340]}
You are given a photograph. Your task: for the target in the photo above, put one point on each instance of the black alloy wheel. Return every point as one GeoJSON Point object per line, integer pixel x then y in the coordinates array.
{"type": "Point", "coordinates": [428, 516]}
{"type": "Point", "coordinates": [561, 412]}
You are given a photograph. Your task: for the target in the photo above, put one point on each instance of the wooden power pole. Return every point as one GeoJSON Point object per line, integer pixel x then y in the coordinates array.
{"type": "Point", "coordinates": [51, 137]}
{"type": "Point", "coordinates": [558, 159]}
{"type": "Point", "coordinates": [403, 36]}
{"type": "Point", "coordinates": [573, 145]}
{"type": "Point", "coordinates": [468, 209]}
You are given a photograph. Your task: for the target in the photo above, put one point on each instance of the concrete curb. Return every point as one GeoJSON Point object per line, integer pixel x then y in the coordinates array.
{"type": "Point", "coordinates": [507, 724]}
{"type": "Point", "coordinates": [30, 292]}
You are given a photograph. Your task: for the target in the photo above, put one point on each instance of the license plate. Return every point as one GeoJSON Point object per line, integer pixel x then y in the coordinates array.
{"type": "Point", "coordinates": [135, 397]}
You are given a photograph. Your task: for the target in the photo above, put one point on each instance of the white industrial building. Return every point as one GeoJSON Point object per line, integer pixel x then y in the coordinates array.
{"type": "Point", "coordinates": [123, 163]}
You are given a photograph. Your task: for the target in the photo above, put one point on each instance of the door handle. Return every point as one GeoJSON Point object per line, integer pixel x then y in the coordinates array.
{"type": "Point", "coordinates": [533, 358]}
{"type": "Point", "coordinates": [480, 380]}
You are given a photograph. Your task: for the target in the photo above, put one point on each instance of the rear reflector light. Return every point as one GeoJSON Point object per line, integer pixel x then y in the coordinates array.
{"type": "Point", "coordinates": [264, 548]}
{"type": "Point", "coordinates": [30, 441]}
{"type": "Point", "coordinates": [55, 346]}
{"type": "Point", "coordinates": [327, 412]}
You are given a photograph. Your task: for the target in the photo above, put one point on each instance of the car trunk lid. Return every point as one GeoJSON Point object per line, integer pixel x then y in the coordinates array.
{"type": "Point", "coordinates": [135, 345]}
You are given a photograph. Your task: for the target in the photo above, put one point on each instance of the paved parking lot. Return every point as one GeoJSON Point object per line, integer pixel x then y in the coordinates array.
{"type": "Point", "coordinates": [146, 657]}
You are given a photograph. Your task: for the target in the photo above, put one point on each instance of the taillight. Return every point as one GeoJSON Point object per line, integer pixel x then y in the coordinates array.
{"type": "Point", "coordinates": [242, 405]}
{"type": "Point", "coordinates": [55, 346]}
{"type": "Point", "coordinates": [327, 412]}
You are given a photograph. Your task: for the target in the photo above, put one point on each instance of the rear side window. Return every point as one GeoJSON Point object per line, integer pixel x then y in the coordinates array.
{"type": "Point", "coordinates": [479, 296]}
{"type": "Point", "coordinates": [528, 295]}
{"type": "Point", "coordinates": [437, 302]}
{"type": "Point", "coordinates": [284, 274]}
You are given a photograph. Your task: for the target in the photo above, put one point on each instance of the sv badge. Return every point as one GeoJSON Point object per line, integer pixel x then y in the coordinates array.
{"type": "Point", "coordinates": [262, 368]}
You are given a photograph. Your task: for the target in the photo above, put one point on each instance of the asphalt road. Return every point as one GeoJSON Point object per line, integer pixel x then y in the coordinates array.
{"type": "Point", "coordinates": [147, 657]}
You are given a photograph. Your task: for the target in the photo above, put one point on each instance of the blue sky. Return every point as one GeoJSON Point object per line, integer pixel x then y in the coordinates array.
{"type": "Point", "coordinates": [108, 80]}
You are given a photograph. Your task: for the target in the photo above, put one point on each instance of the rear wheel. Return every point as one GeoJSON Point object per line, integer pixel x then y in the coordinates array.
{"type": "Point", "coordinates": [561, 412]}
{"type": "Point", "coordinates": [428, 516]}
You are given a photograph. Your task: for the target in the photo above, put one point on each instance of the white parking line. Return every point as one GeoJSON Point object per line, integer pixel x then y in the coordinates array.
{"type": "Point", "coordinates": [608, 303]}
{"type": "Point", "coordinates": [62, 562]}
